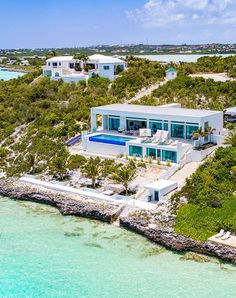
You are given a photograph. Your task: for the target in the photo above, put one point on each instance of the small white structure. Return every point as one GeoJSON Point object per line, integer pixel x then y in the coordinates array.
{"type": "Point", "coordinates": [24, 63]}
{"type": "Point", "coordinates": [73, 70]}
{"type": "Point", "coordinates": [171, 73]}
{"type": "Point", "coordinates": [159, 189]}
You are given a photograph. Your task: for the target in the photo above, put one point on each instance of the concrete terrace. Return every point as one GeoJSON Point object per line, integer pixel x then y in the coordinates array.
{"type": "Point", "coordinates": [229, 242]}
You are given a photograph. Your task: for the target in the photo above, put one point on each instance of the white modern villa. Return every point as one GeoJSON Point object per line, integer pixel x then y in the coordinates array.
{"type": "Point", "coordinates": [74, 70]}
{"type": "Point", "coordinates": [160, 132]}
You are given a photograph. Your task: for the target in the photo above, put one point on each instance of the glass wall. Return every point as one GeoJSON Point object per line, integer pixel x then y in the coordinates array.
{"type": "Point", "coordinates": [153, 153]}
{"type": "Point", "coordinates": [171, 155]}
{"type": "Point", "coordinates": [155, 125]}
{"type": "Point", "coordinates": [177, 131]}
{"type": "Point", "coordinates": [114, 123]}
{"type": "Point", "coordinates": [136, 124]}
{"type": "Point", "coordinates": [166, 126]}
{"type": "Point", "coordinates": [135, 150]}
{"type": "Point", "coordinates": [189, 130]}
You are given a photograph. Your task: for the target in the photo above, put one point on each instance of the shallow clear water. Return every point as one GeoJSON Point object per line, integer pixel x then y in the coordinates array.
{"type": "Point", "coordinates": [8, 75]}
{"type": "Point", "coordinates": [43, 254]}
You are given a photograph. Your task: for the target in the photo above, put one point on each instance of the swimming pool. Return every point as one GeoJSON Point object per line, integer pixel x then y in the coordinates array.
{"type": "Point", "coordinates": [110, 139]}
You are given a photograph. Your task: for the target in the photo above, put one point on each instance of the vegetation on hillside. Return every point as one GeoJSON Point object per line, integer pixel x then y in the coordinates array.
{"type": "Point", "coordinates": [140, 73]}
{"type": "Point", "coordinates": [194, 93]}
{"type": "Point", "coordinates": [212, 64]}
{"type": "Point", "coordinates": [36, 118]}
{"type": "Point", "coordinates": [211, 202]}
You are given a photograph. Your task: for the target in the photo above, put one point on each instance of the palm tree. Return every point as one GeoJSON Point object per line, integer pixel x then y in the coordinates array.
{"type": "Point", "coordinates": [124, 175]}
{"type": "Point", "coordinates": [82, 58]}
{"type": "Point", "coordinates": [92, 169]}
{"type": "Point", "coordinates": [198, 135]}
{"type": "Point", "coordinates": [231, 138]}
{"type": "Point", "coordinates": [51, 54]}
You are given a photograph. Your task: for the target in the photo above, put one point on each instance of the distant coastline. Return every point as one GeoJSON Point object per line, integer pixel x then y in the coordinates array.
{"type": "Point", "coordinates": [6, 68]}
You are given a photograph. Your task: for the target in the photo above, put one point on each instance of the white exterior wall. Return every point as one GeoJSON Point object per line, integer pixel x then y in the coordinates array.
{"type": "Point", "coordinates": [171, 75]}
{"type": "Point", "coordinates": [105, 149]}
{"type": "Point", "coordinates": [162, 192]}
{"type": "Point", "coordinates": [215, 122]}
{"type": "Point", "coordinates": [109, 74]}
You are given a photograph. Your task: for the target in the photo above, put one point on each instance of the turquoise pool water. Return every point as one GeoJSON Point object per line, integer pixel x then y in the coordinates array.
{"type": "Point", "coordinates": [8, 75]}
{"type": "Point", "coordinates": [43, 254]}
{"type": "Point", "coordinates": [110, 139]}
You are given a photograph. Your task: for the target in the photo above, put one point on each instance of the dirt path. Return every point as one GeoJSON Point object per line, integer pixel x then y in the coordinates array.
{"type": "Point", "coordinates": [146, 91]}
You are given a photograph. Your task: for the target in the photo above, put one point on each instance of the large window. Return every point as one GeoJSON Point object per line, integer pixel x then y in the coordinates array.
{"type": "Point", "coordinates": [152, 152]}
{"type": "Point", "coordinates": [71, 65]}
{"type": "Point", "coordinates": [114, 123]}
{"type": "Point", "coordinates": [135, 124]}
{"type": "Point", "coordinates": [155, 125]}
{"type": "Point", "coordinates": [166, 126]}
{"type": "Point", "coordinates": [171, 155]}
{"type": "Point", "coordinates": [177, 131]}
{"type": "Point", "coordinates": [54, 64]}
{"type": "Point", "coordinates": [135, 150]}
{"type": "Point", "coordinates": [106, 67]}
{"type": "Point", "coordinates": [189, 130]}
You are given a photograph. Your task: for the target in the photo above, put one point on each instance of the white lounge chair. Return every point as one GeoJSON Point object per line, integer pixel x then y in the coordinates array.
{"type": "Point", "coordinates": [220, 234]}
{"type": "Point", "coordinates": [226, 236]}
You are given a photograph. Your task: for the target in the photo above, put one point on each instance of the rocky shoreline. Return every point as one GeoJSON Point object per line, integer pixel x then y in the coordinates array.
{"type": "Point", "coordinates": [140, 221]}
{"type": "Point", "coordinates": [67, 204]}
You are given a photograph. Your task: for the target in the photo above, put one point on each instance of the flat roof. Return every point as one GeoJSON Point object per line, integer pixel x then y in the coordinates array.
{"type": "Point", "coordinates": [60, 58]}
{"type": "Point", "coordinates": [231, 111]}
{"type": "Point", "coordinates": [155, 110]}
{"type": "Point", "coordinates": [95, 57]}
{"type": "Point", "coordinates": [161, 184]}
{"type": "Point", "coordinates": [105, 59]}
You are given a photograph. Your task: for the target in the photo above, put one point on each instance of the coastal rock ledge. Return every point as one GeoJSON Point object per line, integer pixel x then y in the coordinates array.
{"type": "Point", "coordinates": [166, 236]}
{"type": "Point", "coordinates": [146, 223]}
{"type": "Point", "coordinates": [67, 204]}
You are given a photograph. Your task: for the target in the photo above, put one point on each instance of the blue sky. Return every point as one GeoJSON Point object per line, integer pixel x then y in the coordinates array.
{"type": "Point", "coordinates": [68, 23]}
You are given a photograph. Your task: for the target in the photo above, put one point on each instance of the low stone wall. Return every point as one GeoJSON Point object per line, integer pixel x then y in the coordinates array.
{"type": "Point", "coordinates": [143, 223]}
{"type": "Point", "coordinates": [67, 204]}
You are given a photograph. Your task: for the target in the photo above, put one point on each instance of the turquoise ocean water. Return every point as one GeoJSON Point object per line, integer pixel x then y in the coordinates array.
{"type": "Point", "coordinates": [8, 75]}
{"type": "Point", "coordinates": [43, 254]}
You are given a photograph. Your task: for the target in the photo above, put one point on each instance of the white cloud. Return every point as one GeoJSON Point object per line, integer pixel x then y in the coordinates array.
{"type": "Point", "coordinates": [157, 13]}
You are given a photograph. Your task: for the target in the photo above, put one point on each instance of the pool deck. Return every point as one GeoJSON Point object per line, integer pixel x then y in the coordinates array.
{"type": "Point", "coordinates": [229, 242]}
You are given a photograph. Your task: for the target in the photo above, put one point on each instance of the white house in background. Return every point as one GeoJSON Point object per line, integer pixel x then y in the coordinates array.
{"type": "Point", "coordinates": [171, 73]}
{"type": "Point", "coordinates": [73, 70]}
{"type": "Point", "coordinates": [24, 63]}
{"type": "Point", "coordinates": [168, 136]}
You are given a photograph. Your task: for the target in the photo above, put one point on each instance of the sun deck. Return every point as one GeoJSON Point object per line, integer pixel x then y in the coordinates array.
{"type": "Point", "coordinates": [229, 242]}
